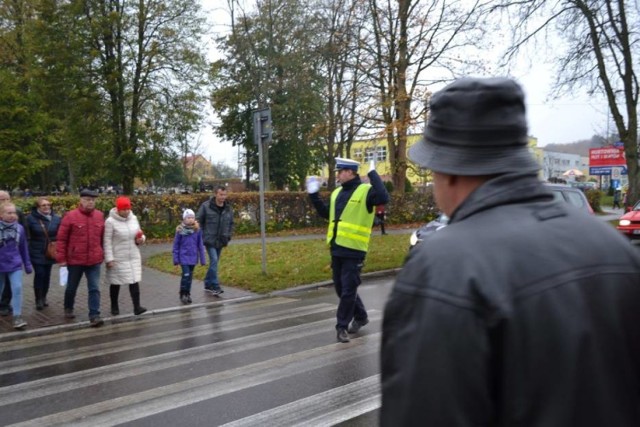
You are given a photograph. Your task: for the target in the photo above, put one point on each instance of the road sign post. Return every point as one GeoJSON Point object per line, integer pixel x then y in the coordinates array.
{"type": "Point", "coordinates": [262, 131]}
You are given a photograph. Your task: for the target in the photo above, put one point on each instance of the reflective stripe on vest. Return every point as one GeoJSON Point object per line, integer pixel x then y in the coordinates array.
{"type": "Point", "coordinates": [354, 226]}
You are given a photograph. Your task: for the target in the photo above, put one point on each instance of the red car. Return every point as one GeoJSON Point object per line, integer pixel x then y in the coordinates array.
{"type": "Point", "coordinates": [629, 223]}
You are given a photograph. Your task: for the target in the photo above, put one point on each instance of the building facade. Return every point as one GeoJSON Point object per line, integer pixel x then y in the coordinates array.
{"type": "Point", "coordinates": [555, 164]}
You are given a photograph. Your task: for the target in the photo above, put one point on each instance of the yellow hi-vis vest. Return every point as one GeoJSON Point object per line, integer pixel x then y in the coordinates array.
{"type": "Point", "coordinates": [354, 225]}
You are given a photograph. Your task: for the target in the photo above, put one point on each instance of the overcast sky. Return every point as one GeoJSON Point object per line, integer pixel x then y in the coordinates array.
{"type": "Point", "coordinates": [563, 120]}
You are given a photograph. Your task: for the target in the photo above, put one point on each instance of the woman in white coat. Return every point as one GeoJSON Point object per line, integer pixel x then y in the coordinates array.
{"type": "Point", "coordinates": [122, 235]}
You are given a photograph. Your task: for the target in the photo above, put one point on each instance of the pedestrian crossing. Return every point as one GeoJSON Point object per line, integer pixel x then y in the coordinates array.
{"type": "Point", "coordinates": [271, 361]}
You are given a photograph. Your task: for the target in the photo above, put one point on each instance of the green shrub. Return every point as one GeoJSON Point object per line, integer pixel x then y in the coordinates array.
{"type": "Point", "coordinates": [389, 186]}
{"type": "Point", "coordinates": [594, 197]}
{"type": "Point", "coordinates": [160, 214]}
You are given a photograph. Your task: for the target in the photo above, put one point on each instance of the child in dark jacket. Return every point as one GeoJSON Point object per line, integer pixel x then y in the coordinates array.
{"type": "Point", "coordinates": [14, 254]}
{"type": "Point", "coordinates": [187, 249]}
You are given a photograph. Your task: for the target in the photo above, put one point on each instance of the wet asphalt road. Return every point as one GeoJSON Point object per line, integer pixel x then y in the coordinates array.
{"type": "Point", "coordinates": [268, 361]}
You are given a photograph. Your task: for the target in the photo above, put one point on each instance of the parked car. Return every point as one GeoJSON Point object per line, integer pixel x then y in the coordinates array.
{"type": "Point", "coordinates": [565, 193]}
{"type": "Point", "coordinates": [629, 223]}
{"type": "Point", "coordinates": [572, 195]}
{"type": "Point", "coordinates": [431, 227]}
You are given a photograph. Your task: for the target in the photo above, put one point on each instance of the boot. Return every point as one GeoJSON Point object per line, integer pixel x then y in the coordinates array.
{"type": "Point", "coordinates": [39, 301]}
{"type": "Point", "coordinates": [114, 291]}
{"type": "Point", "coordinates": [45, 291]}
{"type": "Point", "coordinates": [183, 297]}
{"type": "Point", "coordinates": [134, 290]}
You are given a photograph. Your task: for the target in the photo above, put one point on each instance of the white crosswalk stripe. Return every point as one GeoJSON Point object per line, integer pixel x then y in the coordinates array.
{"type": "Point", "coordinates": [323, 409]}
{"type": "Point", "coordinates": [167, 365]}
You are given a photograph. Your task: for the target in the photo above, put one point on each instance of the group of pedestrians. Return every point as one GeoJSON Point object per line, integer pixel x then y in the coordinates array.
{"type": "Point", "coordinates": [83, 240]}
{"type": "Point", "coordinates": [77, 242]}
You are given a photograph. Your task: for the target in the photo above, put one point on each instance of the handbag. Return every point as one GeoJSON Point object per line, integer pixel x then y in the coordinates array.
{"type": "Point", "coordinates": [50, 250]}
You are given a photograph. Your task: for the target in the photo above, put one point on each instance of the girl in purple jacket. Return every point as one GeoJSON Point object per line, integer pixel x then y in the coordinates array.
{"type": "Point", "coordinates": [14, 254]}
{"type": "Point", "coordinates": [187, 249]}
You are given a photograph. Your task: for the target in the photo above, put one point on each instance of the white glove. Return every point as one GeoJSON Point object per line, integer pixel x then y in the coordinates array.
{"type": "Point", "coordinates": [313, 185]}
{"type": "Point", "coordinates": [372, 165]}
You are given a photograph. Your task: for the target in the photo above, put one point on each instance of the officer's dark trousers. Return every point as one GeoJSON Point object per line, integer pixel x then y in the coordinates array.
{"type": "Point", "coordinates": [346, 278]}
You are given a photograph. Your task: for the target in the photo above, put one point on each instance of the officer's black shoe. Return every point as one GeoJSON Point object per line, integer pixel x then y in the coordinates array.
{"type": "Point", "coordinates": [356, 325]}
{"type": "Point", "coordinates": [342, 335]}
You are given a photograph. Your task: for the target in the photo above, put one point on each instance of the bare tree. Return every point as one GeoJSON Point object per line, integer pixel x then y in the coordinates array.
{"type": "Point", "coordinates": [341, 54]}
{"type": "Point", "coordinates": [411, 46]}
{"type": "Point", "coordinates": [600, 54]}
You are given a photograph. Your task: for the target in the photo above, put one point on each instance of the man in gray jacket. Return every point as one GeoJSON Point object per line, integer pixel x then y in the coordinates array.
{"type": "Point", "coordinates": [216, 221]}
{"type": "Point", "coordinates": [523, 311]}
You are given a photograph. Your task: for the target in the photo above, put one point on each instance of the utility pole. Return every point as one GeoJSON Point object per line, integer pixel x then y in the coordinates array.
{"type": "Point", "coordinates": [262, 132]}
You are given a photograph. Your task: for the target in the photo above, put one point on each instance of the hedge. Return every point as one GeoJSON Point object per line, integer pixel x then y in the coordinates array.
{"type": "Point", "coordinates": [160, 214]}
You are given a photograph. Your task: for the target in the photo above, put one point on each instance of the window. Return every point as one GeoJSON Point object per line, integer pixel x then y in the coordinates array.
{"type": "Point", "coordinates": [368, 154]}
{"type": "Point", "coordinates": [357, 153]}
{"type": "Point", "coordinates": [381, 154]}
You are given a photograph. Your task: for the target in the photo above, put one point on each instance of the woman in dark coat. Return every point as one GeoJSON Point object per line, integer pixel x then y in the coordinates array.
{"type": "Point", "coordinates": [41, 219]}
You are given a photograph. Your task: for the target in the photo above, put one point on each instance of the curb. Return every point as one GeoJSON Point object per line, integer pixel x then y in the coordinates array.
{"type": "Point", "coordinates": [327, 283]}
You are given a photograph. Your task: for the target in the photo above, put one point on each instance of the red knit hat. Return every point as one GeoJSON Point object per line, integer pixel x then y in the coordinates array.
{"type": "Point", "coordinates": [123, 203]}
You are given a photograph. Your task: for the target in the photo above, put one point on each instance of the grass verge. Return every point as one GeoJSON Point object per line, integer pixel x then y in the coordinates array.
{"type": "Point", "coordinates": [289, 264]}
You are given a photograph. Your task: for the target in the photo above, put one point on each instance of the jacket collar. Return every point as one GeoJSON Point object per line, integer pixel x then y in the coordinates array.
{"type": "Point", "coordinates": [352, 183]}
{"type": "Point", "coordinates": [502, 190]}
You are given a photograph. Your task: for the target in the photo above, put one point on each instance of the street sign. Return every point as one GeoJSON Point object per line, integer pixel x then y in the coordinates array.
{"type": "Point", "coordinates": [616, 172]}
{"type": "Point", "coordinates": [607, 170]}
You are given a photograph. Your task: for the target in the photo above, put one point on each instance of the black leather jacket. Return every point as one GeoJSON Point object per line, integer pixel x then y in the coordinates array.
{"type": "Point", "coordinates": [522, 312]}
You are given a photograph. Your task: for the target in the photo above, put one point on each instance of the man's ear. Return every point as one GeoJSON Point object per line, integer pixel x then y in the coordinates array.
{"type": "Point", "coordinates": [452, 180]}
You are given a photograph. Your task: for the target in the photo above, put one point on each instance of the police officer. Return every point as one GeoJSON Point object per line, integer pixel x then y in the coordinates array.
{"type": "Point", "coordinates": [350, 211]}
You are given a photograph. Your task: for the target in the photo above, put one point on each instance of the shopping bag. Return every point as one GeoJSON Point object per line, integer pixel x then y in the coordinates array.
{"type": "Point", "coordinates": [64, 275]}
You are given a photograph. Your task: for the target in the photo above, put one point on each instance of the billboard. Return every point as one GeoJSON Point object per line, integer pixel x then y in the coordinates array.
{"type": "Point", "coordinates": [607, 157]}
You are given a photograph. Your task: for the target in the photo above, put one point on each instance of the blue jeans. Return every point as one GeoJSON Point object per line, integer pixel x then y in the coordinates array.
{"type": "Point", "coordinates": [15, 279]}
{"type": "Point", "coordinates": [93, 283]}
{"type": "Point", "coordinates": [346, 279]}
{"type": "Point", "coordinates": [187, 278]}
{"type": "Point", "coordinates": [42, 276]}
{"type": "Point", "coordinates": [211, 279]}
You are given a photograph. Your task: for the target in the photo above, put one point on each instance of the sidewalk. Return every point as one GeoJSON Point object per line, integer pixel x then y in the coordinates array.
{"type": "Point", "coordinates": [159, 292]}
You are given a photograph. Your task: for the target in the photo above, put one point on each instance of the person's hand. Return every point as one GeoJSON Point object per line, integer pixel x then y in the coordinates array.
{"type": "Point", "coordinates": [110, 264]}
{"type": "Point", "coordinates": [313, 185]}
{"type": "Point", "coordinates": [372, 165]}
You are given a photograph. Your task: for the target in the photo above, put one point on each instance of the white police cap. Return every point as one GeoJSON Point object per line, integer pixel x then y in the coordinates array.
{"type": "Point", "coordinates": [344, 163]}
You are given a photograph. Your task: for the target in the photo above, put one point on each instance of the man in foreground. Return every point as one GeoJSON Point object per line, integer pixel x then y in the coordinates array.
{"type": "Point", "coordinates": [523, 311]}
{"type": "Point", "coordinates": [350, 211]}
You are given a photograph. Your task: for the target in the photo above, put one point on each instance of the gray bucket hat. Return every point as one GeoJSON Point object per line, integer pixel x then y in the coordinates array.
{"type": "Point", "coordinates": [476, 127]}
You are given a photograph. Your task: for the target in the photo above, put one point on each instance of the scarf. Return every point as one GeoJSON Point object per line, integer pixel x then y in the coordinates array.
{"type": "Point", "coordinates": [47, 216]}
{"type": "Point", "coordinates": [8, 231]}
{"type": "Point", "coordinates": [186, 230]}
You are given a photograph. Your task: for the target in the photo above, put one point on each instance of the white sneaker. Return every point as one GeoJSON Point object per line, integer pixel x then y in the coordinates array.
{"type": "Point", "coordinates": [18, 322]}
